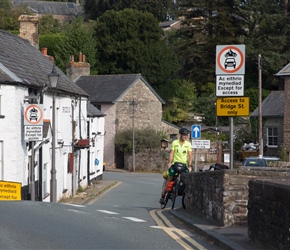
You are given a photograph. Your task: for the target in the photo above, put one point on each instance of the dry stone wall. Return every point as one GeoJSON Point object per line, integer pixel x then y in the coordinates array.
{"type": "Point", "coordinates": [269, 212]}
{"type": "Point", "coordinates": [223, 195]}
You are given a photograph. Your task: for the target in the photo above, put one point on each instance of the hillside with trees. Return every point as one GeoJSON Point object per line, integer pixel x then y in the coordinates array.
{"type": "Point", "coordinates": [125, 37]}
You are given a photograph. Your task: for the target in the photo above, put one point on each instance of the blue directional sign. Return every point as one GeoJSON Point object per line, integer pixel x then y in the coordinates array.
{"type": "Point", "coordinates": [195, 131]}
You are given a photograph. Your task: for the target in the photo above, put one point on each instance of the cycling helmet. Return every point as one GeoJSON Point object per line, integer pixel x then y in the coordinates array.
{"type": "Point", "coordinates": [183, 131]}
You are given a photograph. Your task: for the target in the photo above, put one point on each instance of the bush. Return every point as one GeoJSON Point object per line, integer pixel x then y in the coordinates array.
{"type": "Point", "coordinates": [147, 138]}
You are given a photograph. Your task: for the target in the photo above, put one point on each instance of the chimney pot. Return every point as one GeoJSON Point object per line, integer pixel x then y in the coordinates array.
{"type": "Point", "coordinates": [44, 51]}
{"type": "Point", "coordinates": [80, 57]}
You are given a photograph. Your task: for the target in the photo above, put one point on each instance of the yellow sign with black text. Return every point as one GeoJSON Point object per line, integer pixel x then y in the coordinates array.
{"type": "Point", "coordinates": [233, 106]}
{"type": "Point", "coordinates": [10, 191]}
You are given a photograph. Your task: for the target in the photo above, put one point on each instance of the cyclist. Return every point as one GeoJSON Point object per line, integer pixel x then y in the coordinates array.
{"type": "Point", "coordinates": [180, 152]}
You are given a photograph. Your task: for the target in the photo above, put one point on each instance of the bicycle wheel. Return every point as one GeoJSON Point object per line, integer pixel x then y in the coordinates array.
{"type": "Point", "coordinates": [174, 194]}
{"type": "Point", "coordinates": [183, 201]}
{"type": "Point", "coordinates": [166, 198]}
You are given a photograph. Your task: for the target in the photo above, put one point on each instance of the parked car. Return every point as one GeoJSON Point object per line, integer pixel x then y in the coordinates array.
{"type": "Point", "coordinates": [255, 162]}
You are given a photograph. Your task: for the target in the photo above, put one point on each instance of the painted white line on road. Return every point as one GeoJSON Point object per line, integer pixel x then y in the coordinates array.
{"type": "Point", "coordinates": [76, 211]}
{"type": "Point", "coordinates": [134, 219]}
{"type": "Point", "coordinates": [73, 205]}
{"type": "Point", "coordinates": [107, 212]}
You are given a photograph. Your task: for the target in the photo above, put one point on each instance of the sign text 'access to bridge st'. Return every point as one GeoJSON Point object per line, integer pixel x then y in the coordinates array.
{"type": "Point", "coordinates": [233, 106]}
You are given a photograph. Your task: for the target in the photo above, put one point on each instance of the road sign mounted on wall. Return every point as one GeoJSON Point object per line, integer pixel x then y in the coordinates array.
{"type": "Point", "coordinates": [233, 106]}
{"type": "Point", "coordinates": [230, 59]}
{"type": "Point", "coordinates": [33, 114]}
{"type": "Point", "coordinates": [195, 131]}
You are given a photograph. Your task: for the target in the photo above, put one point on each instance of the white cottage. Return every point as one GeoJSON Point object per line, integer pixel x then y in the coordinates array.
{"type": "Point", "coordinates": [24, 81]}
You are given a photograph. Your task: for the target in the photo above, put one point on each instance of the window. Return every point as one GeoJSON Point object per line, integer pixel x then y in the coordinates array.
{"type": "Point", "coordinates": [272, 136]}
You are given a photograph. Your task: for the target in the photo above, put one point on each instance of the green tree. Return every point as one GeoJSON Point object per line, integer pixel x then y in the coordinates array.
{"type": "Point", "coordinates": [130, 41]}
{"type": "Point", "coordinates": [49, 25]}
{"type": "Point", "coordinates": [9, 15]}
{"type": "Point", "coordinates": [181, 96]}
{"type": "Point", "coordinates": [206, 24]}
{"type": "Point", "coordinates": [96, 8]}
{"type": "Point", "coordinates": [268, 34]}
{"type": "Point", "coordinates": [77, 36]}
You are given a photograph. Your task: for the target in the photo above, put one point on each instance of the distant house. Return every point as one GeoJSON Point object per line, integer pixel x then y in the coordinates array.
{"type": "Point", "coordinates": [171, 24]}
{"type": "Point", "coordinates": [62, 11]}
{"type": "Point", "coordinates": [117, 96]}
{"type": "Point", "coordinates": [273, 126]}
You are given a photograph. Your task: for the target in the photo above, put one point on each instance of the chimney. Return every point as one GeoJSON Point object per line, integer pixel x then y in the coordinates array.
{"type": "Point", "coordinates": [44, 52]}
{"type": "Point", "coordinates": [29, 29]}
{"type": "Point", "coordinates": [76, 69]}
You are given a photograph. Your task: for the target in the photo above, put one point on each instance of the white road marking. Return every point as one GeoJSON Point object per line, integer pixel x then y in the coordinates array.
{"type": "Point", "coordinates": [73, 205]}
{"type": "Point", "coordinates": [76, 211]}
{"type": "Point", "coordinates": [134, 219]}
{"type": "Point", "coordinates": [107, 212]}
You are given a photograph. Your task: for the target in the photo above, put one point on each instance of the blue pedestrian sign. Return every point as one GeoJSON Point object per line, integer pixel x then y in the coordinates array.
{"type": "Point", "coordinates": [195, 131]}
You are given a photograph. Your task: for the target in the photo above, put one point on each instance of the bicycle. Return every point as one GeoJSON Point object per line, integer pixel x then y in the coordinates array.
{"type": "Point", "coordinates": [177, 186]}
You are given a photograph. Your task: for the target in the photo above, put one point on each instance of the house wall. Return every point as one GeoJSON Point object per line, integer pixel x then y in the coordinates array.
{"type": "Point", "coordinates": [14, 151]}
{"type": "Point", "coordinates": [109, 138]}
{"type": "Point", "coordinates": [277, 122]}
{"type": "Point", "coordinates": [148, 110]}
{"type": "Point", "coordinates": [97, 147]}
{"type": "Point", "coordinates": [286, 123]}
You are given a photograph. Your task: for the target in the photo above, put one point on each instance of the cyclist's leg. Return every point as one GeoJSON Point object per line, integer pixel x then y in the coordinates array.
{"type": "Point", "coordinates": [169, 178]}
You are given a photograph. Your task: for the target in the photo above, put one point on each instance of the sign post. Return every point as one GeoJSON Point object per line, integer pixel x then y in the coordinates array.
{"type": "Point", "coordinates": [230, 70]}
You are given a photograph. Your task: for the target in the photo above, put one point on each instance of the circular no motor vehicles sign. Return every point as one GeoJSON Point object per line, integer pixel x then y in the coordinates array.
{"type": "Point", "coordinates": [230, 59]}
{"type": "Point", "coordinates": [33, 115]}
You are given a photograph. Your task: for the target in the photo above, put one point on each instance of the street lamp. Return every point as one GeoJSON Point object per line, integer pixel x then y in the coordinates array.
{"type": "Point", "coordinates": [53, 81]}
{"type": "Point", "coordinates": [133, 104]}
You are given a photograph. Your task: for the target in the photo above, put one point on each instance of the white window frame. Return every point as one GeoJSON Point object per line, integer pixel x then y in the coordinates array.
{"type": "Point", "coordinates": [272, 137]}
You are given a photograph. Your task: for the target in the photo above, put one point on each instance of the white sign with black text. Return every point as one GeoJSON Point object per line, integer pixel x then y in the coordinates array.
{"type": "Point", "coordinates": [200, 144]}
{"type": "Point", "coordinates": [230, 85]}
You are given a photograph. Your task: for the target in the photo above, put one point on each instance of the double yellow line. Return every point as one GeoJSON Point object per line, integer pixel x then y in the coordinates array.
{"type": "Point", "coordinates": [178, 235]}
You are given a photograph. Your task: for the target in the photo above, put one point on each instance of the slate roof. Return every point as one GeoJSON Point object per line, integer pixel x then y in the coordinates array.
{"type": "Point", "coordinates": [54, 8]}
{"type": "Point", "coordinates": [168, 24]}
{"type": "Point", "coordinates": [21, 63]}
{"type": "Point", "coordinates": [285, 71]}
{"type": "Point", "coordinates": [272, 106]}
{"type": "Point", "coordinates": [110, 88]}
{"type": "Point", "coordinates": [92, 111]}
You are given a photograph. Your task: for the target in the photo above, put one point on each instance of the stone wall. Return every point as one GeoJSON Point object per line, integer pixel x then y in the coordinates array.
{"type": "Point", "coordinates": [269, 214]}
{"type": "Point", "coordinates": [223, 195]}
{"type": "Point", "coordinates": [156, 160]}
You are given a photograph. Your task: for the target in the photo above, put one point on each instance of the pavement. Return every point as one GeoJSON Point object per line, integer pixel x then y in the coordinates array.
{"type": "Point", "coordinates": [230, 237]}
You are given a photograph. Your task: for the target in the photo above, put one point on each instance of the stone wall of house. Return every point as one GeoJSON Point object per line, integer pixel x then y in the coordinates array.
{"type": "Point", "coordinates": [147, 111]}
{"type": "Point", "coordinates": [268, 212]}
{"type": "Point", "coordinates": [223, 195]}
{"type": "Point", "coordinates": [286, 123]}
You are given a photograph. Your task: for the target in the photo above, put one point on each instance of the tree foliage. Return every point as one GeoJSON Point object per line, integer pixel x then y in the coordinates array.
{"type": "Point", "coordinates": [147, 138]}
{"type": "Point", "coordinates": [130, 41]}
{"type": "Point", "coordinates": [96, 8]}
{"type": "Point", "coordinates": [77, 37]}
{"type": "Point", "coordinates": [9, 15]}
{"type": "Point", "coordinates": [181, 96]}
{"type": "Point", "coordinates": [205, 25]}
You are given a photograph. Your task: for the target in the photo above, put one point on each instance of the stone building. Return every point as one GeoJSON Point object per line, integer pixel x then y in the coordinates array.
{"type": "Point", "coordinates": [119, 96]}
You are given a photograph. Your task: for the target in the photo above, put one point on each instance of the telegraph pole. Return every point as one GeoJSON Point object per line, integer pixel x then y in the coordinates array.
{"type": "Point", "coordinates": [260, 107]}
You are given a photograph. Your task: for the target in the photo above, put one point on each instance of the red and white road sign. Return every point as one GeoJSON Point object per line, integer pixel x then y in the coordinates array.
{"type": "Point", "coordinates": [33, 115]}
{"type": "Point", "coordinates": [230, 59]}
